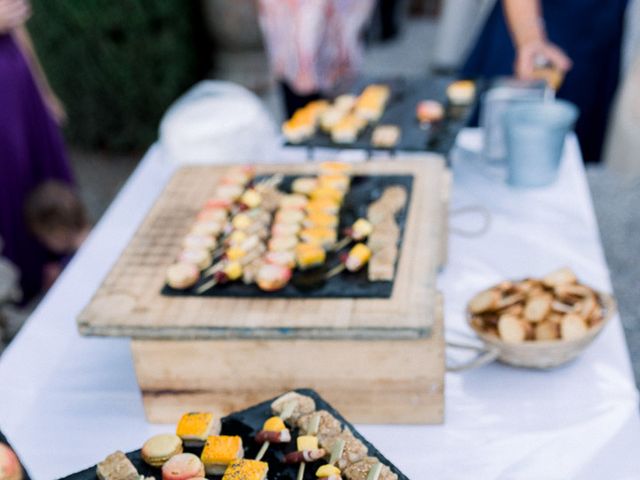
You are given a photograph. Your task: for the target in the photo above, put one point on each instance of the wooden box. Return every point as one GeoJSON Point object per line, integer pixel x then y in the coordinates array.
{"type": "Point", "coordinates": [368, 381]}
{"type": "Point", "coordinates": [378, 360]}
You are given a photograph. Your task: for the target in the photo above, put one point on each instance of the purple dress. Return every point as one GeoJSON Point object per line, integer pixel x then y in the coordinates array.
{"type": "Point", "coordinates": [31, 151]}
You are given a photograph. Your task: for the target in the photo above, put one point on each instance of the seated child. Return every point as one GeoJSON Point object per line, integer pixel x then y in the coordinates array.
{"type": "Point", "coordinates": [56, 216]}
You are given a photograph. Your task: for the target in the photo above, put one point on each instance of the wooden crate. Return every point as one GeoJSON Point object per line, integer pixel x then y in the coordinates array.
{"type": "Point", "coordinates": [368, 381]}
{"type": "Point", "coordinates": [129, 302]}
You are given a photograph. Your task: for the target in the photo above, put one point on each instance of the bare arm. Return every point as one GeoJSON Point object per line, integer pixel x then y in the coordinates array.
{"type": "Point", "coordinates": [524, 18]}
{"type": "Point", "coordinates": [23, 39]}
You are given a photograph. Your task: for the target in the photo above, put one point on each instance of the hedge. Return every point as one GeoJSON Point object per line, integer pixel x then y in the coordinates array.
{"type": "Point", "coordinates": [118, 64]}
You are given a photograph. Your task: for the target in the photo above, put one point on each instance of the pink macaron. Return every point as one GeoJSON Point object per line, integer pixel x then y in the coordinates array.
{"type": "Point", "coordinates": [185, 466]}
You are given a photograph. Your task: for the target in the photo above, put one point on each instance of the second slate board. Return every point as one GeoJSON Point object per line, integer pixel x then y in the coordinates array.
{"type": "Point", "coordinates": [246, 424]}
{"type": "Point", "coordinates": [364, 190]}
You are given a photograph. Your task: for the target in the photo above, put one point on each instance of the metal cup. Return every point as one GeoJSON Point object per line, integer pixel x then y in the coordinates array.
{"type": "Point", "coordinates": [535, 135]}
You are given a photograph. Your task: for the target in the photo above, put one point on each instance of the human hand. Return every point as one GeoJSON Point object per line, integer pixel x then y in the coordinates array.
{"type": "Point", "coordinates": [528, 57]}
{"type": "Point", "coordinates": [56, 108]}
{"type": "Point", "coordinates": [13, 14]}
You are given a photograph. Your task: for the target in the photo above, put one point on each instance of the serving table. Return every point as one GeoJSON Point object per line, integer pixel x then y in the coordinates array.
{"type": "Point", "coordinates": [67, 401]}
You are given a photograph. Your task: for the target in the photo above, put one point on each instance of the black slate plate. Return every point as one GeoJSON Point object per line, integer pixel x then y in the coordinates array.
{"type": "Point", "coordinates": [246, 424]}
{"type": "Point", "coordinates": [364, 190]}
{"type": "Point", "coordinates": [401, 111]}
{"type": "Point", "coordinates": [3, 439]}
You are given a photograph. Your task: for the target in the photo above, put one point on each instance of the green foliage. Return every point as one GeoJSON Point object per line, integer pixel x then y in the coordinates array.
{"type": "Point", "coordinates": [118, 64]}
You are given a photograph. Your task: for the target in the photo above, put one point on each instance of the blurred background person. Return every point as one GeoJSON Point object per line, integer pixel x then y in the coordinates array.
{"type": "Point", "coordinates": [31, 146]}
{"type": "Point", "coordinates": [313, 44]}
{"type": "Point", "coordinates": [56, 216]}
{"type": "Point", "coordinates": [582, 38]}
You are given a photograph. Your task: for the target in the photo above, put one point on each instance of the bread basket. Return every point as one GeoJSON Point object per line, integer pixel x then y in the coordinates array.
{"type": "Point", "coordinates": [549, 353]}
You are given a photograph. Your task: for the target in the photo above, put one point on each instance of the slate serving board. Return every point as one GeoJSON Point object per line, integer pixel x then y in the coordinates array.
{"type": "Point", "coordinates": [246, 424]}
{"type": "Point", "coordinates": [364, 190]}
{"type": "Point", "coordinates": [400, 111]}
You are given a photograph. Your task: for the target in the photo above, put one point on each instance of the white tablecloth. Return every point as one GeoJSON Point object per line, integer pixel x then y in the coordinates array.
{"type": "Point", "coordinates": [68, 401]}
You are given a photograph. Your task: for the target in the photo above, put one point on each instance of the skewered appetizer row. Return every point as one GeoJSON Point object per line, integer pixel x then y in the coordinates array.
{"type": "Point", "coordinates": [260, 235]}
{"type": "Point", "coordinates": [234, 224]}
{"type": "Point", "coordinates": [304, 228]}
{"type": "Point", "coordinates": [344, 119]}
{"type": "Point", "coordinates": [383, 240]}
{"type": "Point", "coordinates": [320, 433]}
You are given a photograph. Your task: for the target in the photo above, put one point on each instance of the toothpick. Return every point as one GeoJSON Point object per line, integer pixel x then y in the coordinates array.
{"type": "Point", "coordinates": [263, 450]}
{"type": "Point", "coordinates": [341, 244]}
{"type": "Point", "coordinates": [286, 413]}
{"type": "Point", "coordinates": [312, 429]}
{"type": "Point", "coordinates": [375, 472]}
{"type": "Point", "coordinates": [336, 452]}
{"type": "Point", "coordinates": [288, 409]}
{"type": "Point", "coordinates": [207, 285]}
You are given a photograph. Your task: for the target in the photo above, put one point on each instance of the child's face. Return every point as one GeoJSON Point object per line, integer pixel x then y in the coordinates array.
{"type": "Point", "coordinates": [61, 241]}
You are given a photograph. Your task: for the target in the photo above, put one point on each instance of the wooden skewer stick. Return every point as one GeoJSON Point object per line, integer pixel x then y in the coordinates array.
{"type": "Point", "coordinates": [286, 413]}
{"type": "Point", "coordinates": [341, 244]}
{"type": "Point", "coordinates": [336, 452]}
{"type": "Point", "coordinates": [375, 472]}
{"type": "Point", "coordinates": [263, 450]}
{"type": "Point", "coordinates": [335, 271]}
{"type": "Point", "coordinates": [312, 429]}
{"type": "Point", "coordinates": [301, 470]}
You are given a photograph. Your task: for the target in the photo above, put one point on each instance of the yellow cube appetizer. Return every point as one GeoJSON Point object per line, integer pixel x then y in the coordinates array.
{"type": "Point", "coordinates": [246, 470]}
{"type": "Point", "coordinates": [233, 270]}
{"type": "Point", "coordinates": [324, 237]}
{"type": "Point", "coordinates": [235, 253]}
{"type": "Point", "coordinates": [358, 256]}
{"type": "Point", "coordinates": [219, 452]}
{"type": "Point", "coordinates": [307, 442]}
{"type": "Point", "coordinates": [361, 229]}
{"type": "Point", "coordinates": [194, 428]}
{"type": "Point", "coordinates": [251, 198]}
{"type": "Point", "coordinates": [327, 193]}
{"type": "Point", "coordinates": [335, 181]}
{"type": "Point", "coordinates": [309, 255]}
{"type": "Point", "coordinates": [274, 424]}
{"type": "Point", "coordinates": [320, 219]}
{"type": "Point", "coordinates": [324, 205]}
{"type": "Point", "coordinates": [328, 471]}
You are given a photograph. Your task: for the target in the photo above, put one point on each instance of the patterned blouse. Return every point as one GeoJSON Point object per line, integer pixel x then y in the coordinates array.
{"type": "Point", "coordinates": [314, 44]}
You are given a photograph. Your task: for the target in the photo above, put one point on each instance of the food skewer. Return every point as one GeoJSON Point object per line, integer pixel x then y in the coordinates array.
{"type": "Point", "coordinates": [228, 270]}
{"type": "Point", "coordinates": [308, 450]}
{"type": "Point", "coordinates": [330, 471]}
{"type": "Point", "coordinates": [274, 430]}
{"type": "Point", "coordinates": [355, 260]}
{"type": "Point", "coordinates": [360, 230]}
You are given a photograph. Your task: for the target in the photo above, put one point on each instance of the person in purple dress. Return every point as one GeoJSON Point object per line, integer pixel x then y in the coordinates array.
{"type": "Point", "coordinates": [31, 146]}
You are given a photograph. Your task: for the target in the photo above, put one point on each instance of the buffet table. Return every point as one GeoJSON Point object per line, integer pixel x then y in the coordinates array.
{"type": "Point", "coordinates": [67, 401]}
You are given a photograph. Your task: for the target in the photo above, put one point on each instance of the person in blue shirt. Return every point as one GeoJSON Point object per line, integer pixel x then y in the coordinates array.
{"type": "Point", "coordinates": [582, 38]}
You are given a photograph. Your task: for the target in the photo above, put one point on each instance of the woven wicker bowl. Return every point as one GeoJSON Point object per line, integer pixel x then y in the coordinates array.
{"type": "Point", "coordinates": [550, 353]}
